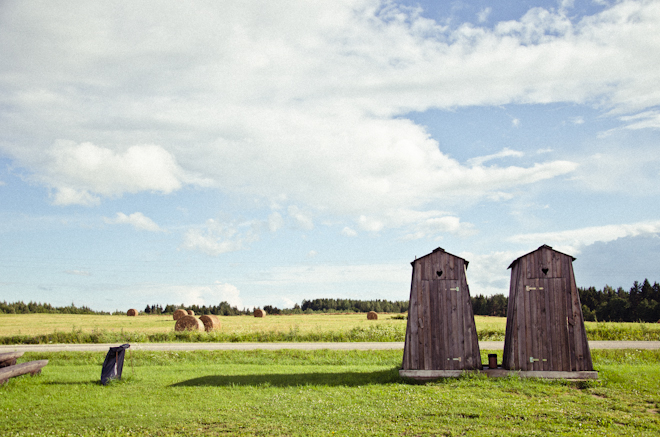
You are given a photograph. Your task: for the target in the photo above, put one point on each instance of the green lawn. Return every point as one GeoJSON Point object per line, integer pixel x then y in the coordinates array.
{"type": "Point", "coordinates": [63, 328]}
{"type": "Point", "coordinates": [321, 393]}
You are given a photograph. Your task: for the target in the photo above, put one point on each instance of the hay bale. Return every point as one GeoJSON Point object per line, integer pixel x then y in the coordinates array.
{"type": "Point", "coordinates": [259, 313]}
{"type": "Point", "coordinates": [180, 313]}
{"type": "Point", "coordinates": [372, 315]}
{"type": "Point", "coordinates": [211, 322]}
{"type": "Point", "coordinates": [189, 323]}
{"type": "Point", "coordinates": [132, 312]}
{"type": "Point", "coordinates": [191, 313]}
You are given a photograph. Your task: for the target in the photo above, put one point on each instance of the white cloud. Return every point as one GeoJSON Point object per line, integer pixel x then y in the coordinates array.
{"type": "Point", "coordinates": [301, 219]}
{"type": "Point", "coordinates": [348, 232]}
{"type": "Point", "coordinates": [480, 160]}
{"type": "Point", "coordinates": [215, 238]}
{"type": "Point", "coordinates": [304, 101]}
{"type": "Point", "coordinates": [565, 4]}
{"type": "Point", "coordinates": [275, 221]}
{"type": "Point", "coordinates": [326, 274]}
{"type": "Point", "coordinates": [436, 226]}
{"type": "Point", "coordinates": [572, 241]}
{"type": "Point", "coordinates": [312, 254]}
{"type": "Point", "coordinates": [81, 172]}
{"type": "Point", "coordinates": [487, 273]}
{"type": "Point", "coordinates": [483, 14]}
{"type": "Point", "coordinates": [617, 168]}
{"type": "Point", "coordinates": [643, 120]}
{"type": "Point", "coordinates": [137, 220]}
{"type": "Point", "coordinates": [515, 122]}
{"type": "Point", "coordinates": [192, 294]}
{"type": "Point", "coordinates": [370, 224]}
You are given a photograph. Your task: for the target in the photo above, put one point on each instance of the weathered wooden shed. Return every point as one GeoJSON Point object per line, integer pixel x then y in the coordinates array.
{"type": "Point", "coordinates": [441, 334]}
{"type": "Point", "coordinates": [545, 327]}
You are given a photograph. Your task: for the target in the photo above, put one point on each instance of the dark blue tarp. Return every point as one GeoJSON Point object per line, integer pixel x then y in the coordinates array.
{"type": "Point", "coordinates": [114, 363]}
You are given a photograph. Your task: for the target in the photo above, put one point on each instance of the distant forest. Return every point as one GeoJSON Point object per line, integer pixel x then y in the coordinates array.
{"type": "Point", "coordinates": [640, 304]}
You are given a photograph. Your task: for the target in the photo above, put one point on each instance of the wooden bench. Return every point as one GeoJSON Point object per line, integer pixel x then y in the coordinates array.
{"type": "Point", "coordinates": [31, 367]}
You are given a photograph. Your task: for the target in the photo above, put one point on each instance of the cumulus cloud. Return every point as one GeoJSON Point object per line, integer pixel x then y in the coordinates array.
{"type": "Point", "coordinates": [137, 220]}
{"type": "Point", "coordinates": [79, 173]}
{"type": "Point", "coordinates": [303, 101]}
{"type": "Point", "coordinates": [215, 238]}
{"type": "Point", "coordinates": [572, 241]}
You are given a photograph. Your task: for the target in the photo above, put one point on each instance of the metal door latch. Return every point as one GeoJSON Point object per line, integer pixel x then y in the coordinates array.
{"type": "Point", "coordinates": [533, 360]}
{"type": "Point", "coordinates": [528, 288]}
{"type": "Point", "coordinates": [455, 359]}
{"type": "Point", "coordinates": [455, 288]}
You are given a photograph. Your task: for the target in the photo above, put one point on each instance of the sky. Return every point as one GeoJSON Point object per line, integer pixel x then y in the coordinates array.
{"type": "Point", "coordinates": [263, 153]}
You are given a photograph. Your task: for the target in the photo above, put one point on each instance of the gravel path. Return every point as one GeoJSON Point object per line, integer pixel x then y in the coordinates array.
{"type": "Point", "coordinates": [484, 345]}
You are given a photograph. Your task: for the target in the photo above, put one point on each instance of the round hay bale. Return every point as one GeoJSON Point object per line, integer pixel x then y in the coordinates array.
{"type": "Point", "coordinates": [372, 315]}
{"type": "Point", "coordinates": [189, 323]}
{"type": "Point", "coordinates": [132, 312]}
{"type": "Point", "coordinates": [179, 313]}
{"type": "Point", "coordinates": [211, 322]}
{"type": "Point", "coordinates": [259, 313]}
{"type": "Point", "coordinates": [191, 313]}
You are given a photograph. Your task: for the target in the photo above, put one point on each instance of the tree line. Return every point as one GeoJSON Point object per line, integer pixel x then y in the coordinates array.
{"type": "Point", "coordinates": [494, 305]}
{"type": "Point", "coordinates": [639, 304]}
{"type": "Point", "coordinates": [354, 306]}
{"type": "Point", "coordinates": [38, 307]}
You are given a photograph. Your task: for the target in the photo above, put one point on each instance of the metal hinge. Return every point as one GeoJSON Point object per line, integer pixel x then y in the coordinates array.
{"type": "Point", "coordinates": [533, 360]}
{"type": "Point", "coordinates": [455, 359]}
{"type": "Point", "coordinates": [457, 288]}
{"type": "Point", "coordinates": [528, 288]}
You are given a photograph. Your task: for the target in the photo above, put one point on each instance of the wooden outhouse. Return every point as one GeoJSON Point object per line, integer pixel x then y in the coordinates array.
{"type": "Point", "coordinates": [440, 335]}
{"type": "Point", "coordinates": [544, 327]}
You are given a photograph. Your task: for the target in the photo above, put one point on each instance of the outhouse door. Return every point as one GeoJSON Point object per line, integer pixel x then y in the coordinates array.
{"type": "Point", "coordinates": [454, 349]}
{"type": "Point", "coordinates": [543, 325]}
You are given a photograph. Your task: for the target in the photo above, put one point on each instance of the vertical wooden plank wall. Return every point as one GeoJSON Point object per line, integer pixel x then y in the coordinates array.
{"type": "Point", "coordinates": [440, 333]}
{"type": "Point", "coordinates": [545, 326]}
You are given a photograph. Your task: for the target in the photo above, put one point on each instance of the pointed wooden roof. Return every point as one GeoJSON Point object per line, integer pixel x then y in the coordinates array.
{"type": "Point", "coordinates": [545, 246]}
{"type": "Point", "coordinates": [440, 249]}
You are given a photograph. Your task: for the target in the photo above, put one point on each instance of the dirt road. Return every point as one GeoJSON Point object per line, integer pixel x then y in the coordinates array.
{"type": "Point", "coordinates": [483, 345]}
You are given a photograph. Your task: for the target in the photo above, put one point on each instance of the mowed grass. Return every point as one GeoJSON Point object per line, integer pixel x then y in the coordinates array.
{"type": "Point", "coordinates": [350, 393]}
{"type": "Point", "coordinates": [62, 328]}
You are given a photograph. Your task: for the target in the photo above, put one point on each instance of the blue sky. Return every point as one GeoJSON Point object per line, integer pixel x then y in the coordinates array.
{"type": "Point", "coordinates": [264, 153]}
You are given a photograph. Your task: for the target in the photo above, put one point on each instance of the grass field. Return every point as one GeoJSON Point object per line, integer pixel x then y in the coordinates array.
{"type": "Point", "coordinates": [62, 328]}
{"type": "Point", "coordinates": [321, 393]}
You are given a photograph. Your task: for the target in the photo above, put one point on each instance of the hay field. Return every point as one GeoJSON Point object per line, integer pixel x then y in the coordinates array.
{"type": "Point", "coordinates": [62, 328]}
{"type": "Point", "coordinates": [43, 324]}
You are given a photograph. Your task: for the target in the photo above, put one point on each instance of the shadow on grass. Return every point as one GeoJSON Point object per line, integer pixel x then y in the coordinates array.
{"type": "Point", "coordinates": [349, 379]}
